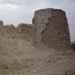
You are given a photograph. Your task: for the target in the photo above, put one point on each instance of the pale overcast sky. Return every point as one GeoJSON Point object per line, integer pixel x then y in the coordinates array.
{"type": "Point", "coordinates": [16, 11]}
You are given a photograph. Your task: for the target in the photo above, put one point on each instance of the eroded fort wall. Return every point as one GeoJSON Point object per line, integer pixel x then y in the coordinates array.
{"type": "Point", "coordinates": [50, 27]}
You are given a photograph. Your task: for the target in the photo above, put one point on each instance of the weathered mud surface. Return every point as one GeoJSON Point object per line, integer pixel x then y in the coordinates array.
{"type": "Point", "coordinates": [19, 57]}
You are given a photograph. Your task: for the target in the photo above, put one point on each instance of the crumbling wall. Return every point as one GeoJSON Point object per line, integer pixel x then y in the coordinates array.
{"type": "Point", "coordinates": [1, 23]}
{"type": "Point", "coordinates": [39, 23]}
{"type": "Point", "coordinates": [23, 31]}
{"type": "Point", "coordinates": [51, 28]}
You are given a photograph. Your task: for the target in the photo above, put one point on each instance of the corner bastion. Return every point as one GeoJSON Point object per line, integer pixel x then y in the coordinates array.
{"type": "Point", "coordinates": [50, 27]}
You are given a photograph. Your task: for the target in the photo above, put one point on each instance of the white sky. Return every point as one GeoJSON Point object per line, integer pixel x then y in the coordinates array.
{"type": "Point", "coordinates": [18, 11]}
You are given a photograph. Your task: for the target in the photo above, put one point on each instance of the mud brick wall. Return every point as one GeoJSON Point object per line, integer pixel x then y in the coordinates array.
{"type": "Point", "coordinates": [50, 27]}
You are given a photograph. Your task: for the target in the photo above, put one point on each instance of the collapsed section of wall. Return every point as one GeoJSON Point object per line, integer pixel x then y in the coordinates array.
{"type": "Point", "coordinates": [51, 28]}
{"type": "Point", "coordinates": [22, 31]}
